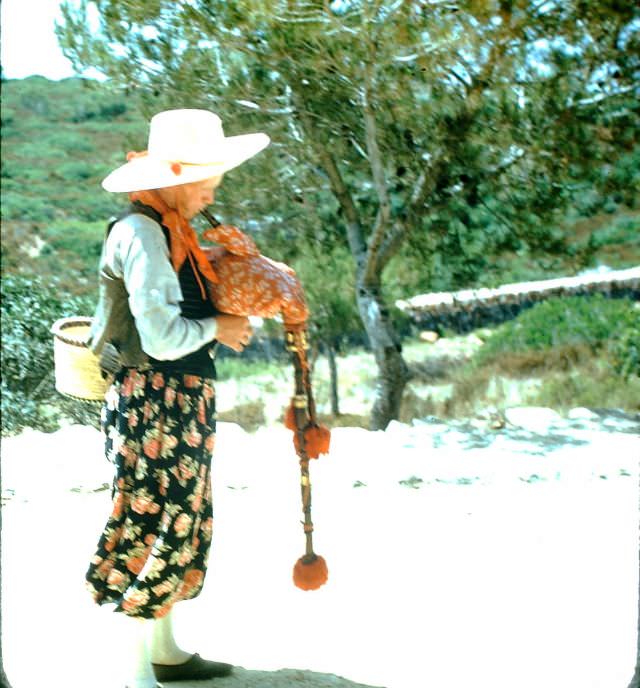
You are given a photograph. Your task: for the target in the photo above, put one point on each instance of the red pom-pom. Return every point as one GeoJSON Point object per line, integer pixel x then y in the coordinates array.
{"type": "Point", "coordinates": [176, 168]}
{"type": "Point", "coordinates": [290, 418]}
{"type": "Point", "coordinates": [310, 572]}
{"type": "Point", "coordinates": [317, 439]}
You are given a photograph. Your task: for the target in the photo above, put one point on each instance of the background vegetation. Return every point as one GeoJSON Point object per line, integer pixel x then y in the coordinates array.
{"type": "Point", "coordinates": [61, 138]}
{"type": "Point", "coordinates": [465, 129]}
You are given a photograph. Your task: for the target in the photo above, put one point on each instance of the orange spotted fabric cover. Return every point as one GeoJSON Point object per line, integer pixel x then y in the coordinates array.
{"type": "Point", "coordinates": [250, 283]}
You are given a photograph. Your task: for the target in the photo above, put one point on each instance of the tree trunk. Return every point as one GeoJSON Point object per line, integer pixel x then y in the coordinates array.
{"type": "Point", "coordinates": [333, 378]}
{"type": "Point", "coordinates": [392, 369]}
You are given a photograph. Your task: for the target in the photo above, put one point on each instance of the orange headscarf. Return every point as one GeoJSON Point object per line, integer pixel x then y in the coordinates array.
{"type": "Point", "coordinates": [184, 240]}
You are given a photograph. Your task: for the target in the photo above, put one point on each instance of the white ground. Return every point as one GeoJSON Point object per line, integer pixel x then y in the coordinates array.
{"type": "Point", "coordinates": [459, 556]}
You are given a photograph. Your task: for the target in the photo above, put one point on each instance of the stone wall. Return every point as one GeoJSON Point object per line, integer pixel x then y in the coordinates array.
{"type": "Point", "coordinates": [465, 310]}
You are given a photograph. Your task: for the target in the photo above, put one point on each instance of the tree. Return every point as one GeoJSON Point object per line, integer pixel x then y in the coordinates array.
{"type": "Point", "coordinates": [420, 118]}
{"type": "Point", "coordinates": [332, 308]}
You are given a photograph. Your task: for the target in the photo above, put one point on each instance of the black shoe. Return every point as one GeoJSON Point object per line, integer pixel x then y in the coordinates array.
{"type": "Point", "coordinates": [194, 669]}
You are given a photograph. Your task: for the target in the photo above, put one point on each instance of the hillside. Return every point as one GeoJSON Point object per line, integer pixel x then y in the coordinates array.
{"type": "Point", "coordinates": [59, 140]}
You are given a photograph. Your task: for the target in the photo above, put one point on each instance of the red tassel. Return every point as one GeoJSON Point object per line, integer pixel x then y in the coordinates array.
{"type": "Point", "coordinates": [310, 572]}
{"type": "Point", "coordinates": [290, 418]}
{"type": "Point", "coordinates": [176, 168]}
{"type": "Point", "coordinates": [317, 439]}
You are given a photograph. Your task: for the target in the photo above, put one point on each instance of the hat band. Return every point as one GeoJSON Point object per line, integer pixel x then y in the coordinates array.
{"type": "Point", "coordinates": [137, 155]}
{"type": "Point", "coordinates": [176, 165]}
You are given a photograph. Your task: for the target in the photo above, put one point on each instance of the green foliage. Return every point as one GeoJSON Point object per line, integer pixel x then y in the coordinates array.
{"type": "Point", "coordinates": [75, 171]}
{"type": "Point", "coordinates": [84, 239]}
{"type": "Point", "coordinates": [233, 367]}
{"type": "Point", "coordinates": [488, 159]}
{"type": "Point", "coordinates": [558, 323]}
{"type": "Point", "coordinates": [56, 154]}
{"type": "Point", "coordinates": [17, 206]}
{"type": "Point", "coordinates": [328, 278]}
{"type": "Point", "coordinates": [29, 308]}
{"type": "Point", "coordinates": [624, 350]}
{"type": "Point", "coordinates": [502, 161]}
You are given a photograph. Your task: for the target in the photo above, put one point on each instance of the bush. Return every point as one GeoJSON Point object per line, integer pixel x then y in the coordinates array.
{"type": "Point", "coordinates": [561, 323]}
{"type": "Point", "coordinates": [82, 239]}
{"type": "Point", "coordinates": [71, 142]}
{"type": "Point", "coordinates": [76, 170]}
{"type": "Point", "coordinates": [112, 110]}
{"type": "Point", "coordinates": [29, 308]}
{"type": "Point", "coordinates": [17, 206]}
{"type": "Point", "coordinates": [624, 349]}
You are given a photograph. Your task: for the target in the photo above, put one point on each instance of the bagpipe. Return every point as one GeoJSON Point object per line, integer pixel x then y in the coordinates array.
{"type": "Point", "coordinates": [250, 284]}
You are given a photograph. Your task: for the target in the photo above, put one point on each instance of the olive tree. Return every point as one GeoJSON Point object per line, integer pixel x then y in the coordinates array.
{"type": "Point", "coordinates": [419, 118]}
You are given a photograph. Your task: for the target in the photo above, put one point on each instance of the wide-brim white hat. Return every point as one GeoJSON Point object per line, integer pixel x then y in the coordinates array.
{"type": "Point", "coordinates": [184, 146]}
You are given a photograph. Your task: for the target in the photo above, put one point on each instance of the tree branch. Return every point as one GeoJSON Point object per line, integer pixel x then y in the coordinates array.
{"type": "Point", "coordinates": [328, 163]}
{"type": "Point", "coordinates": [391, 244]}
{"type": "Point", "coordinates": [400, 230]}
{"type": "Point", "coordinates": [379, 178]}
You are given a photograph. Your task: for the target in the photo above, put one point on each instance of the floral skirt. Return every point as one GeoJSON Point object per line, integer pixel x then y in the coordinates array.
{"type": "Point", "coordinates": [159, 433]}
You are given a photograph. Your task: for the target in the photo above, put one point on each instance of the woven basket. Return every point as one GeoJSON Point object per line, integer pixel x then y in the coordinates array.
{"type": "Point", "coordinates": [77, 367]}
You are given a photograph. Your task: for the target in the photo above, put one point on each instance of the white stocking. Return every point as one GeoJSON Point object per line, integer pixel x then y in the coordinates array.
{"type": "Point", "coordinates": [164, 649]}
{"type": "Point", "coordinates": [138, 669]}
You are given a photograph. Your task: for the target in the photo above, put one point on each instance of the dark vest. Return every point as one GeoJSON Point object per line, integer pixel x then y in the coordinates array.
{"type": "Point", "coordinates": [114, 324]}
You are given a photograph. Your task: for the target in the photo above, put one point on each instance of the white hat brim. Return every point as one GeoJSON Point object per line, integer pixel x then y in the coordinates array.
{"type": "Point", "coordinates": [146, 172]}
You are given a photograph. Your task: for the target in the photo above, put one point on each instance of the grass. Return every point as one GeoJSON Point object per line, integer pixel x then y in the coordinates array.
{"type": "Point", "coordinates": [562, 379]}
{"type": "Point", "coordinates": [232, 367]}
{"type": "Point", "coordinates": [592, 385]}
{"type": "Point", "coordinates": [562, 353]}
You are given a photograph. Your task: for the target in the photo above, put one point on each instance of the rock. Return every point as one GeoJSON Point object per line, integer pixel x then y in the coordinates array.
{"type": "Point", "coordinates": [474, 341]}
{"type": "Point", "coordinates": [429, 336]}
{"type": "Point", "coordinates": [581, 413]}
{"type": "Point", "coordinates": [484, 333]}
{"type": "Point", "coordinates": [497, 421]}
{"type": "Point", "coordinates": [47, 411]}
{"type": "Point", "coordinates": [532, 418]}
{"type": "Point", "coordinates": [35, 249]}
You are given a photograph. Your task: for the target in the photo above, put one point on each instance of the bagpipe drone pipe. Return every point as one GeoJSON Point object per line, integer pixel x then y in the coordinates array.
{"type": "Point", "coordinates": [250, 284]}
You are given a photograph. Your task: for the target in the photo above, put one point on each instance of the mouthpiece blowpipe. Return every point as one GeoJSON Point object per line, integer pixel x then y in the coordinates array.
{"type": "Point", "coordinates": [212, 220]}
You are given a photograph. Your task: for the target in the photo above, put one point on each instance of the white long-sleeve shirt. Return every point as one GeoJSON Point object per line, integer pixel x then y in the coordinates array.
{"type": "Point", "coordinates": [136, 251]}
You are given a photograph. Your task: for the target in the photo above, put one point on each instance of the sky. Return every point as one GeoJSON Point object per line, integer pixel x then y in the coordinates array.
{"type": "Point", "coordinates": [29, 45]}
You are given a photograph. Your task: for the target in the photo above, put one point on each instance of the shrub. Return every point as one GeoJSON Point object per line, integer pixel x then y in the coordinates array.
{"type": "Point", "coordinates": [112, 110]}
{"type": "Point", "coordinates": [624, 349]}
{"type": "Point", "coordinates": [570, 322]}
{"type": "Point", "coordinates": [72, 142]}
{"type": "Point", "coordinates": [29, 308]}
{"type": "Point", "coordinates": [17, 206]}
{"type": "Point", "coordinates": [82, 239]}
{"type": "Point", "coordinates": [76, 170]}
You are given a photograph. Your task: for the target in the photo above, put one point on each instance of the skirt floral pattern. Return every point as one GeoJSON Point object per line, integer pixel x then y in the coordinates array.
{"type": "Point", "coordinates": [159, 433]}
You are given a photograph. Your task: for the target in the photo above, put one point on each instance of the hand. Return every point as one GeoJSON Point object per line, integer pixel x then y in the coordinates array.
{"type": "Point", "coordinates": [233, 331]}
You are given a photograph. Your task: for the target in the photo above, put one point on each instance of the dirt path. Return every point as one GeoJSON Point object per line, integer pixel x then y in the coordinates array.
{"type": "Point", "coordinates": [455, 562]}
